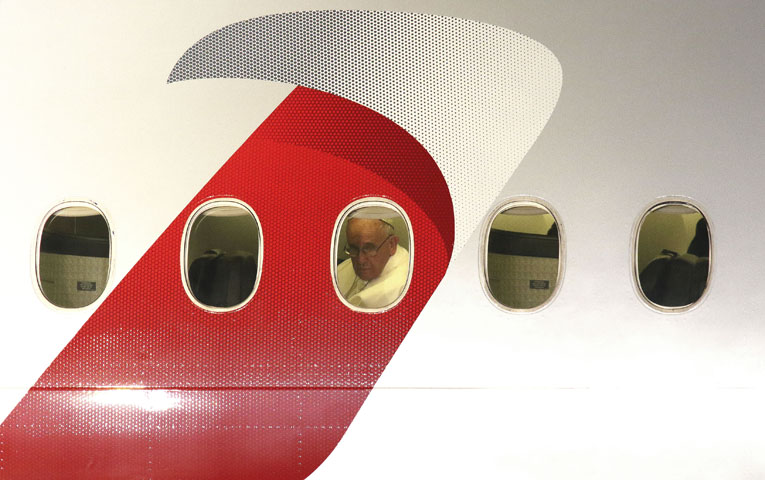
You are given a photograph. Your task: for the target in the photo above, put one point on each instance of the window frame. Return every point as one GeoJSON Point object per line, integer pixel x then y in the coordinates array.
{"type": "Point", "coordinates": [350, 208]}
{"type": "Point", "coordinates": [483, 257]}
{"type": "Point", "coordinates": [634, 267]}
{"type": "Point", "coordinates": [185, 237]}
{"type": "Point", "coordinates": [38, 244]}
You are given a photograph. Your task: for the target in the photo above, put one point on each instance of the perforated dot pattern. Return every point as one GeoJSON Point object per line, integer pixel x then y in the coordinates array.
{"type": "Point", "coordinates": [476, 96]}
{"type": "Point", "coordinates": [154, 386]}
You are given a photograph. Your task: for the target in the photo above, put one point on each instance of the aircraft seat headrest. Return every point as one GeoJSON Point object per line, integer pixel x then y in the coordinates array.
{"type": "Point", "coordinates": [673, 280]}
{"type": "Point", "coordinates": [223, 279]}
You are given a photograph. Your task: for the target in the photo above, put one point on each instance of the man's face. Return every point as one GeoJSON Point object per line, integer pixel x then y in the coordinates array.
{"type": "Point", "coordinates": [368, 234]}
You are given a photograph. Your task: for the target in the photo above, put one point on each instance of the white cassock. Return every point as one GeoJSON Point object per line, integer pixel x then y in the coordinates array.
{"type": "Point", "coordinates": [379, 292]}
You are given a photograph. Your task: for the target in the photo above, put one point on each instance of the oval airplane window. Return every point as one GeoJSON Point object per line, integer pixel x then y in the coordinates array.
{"type": "Point", "coordinates": [372, 255]}
{"type": "Point", "coordinates": [73, 255]}
{"type": "Point", "coordinates": [222, 255]}
{"type": "Point", "coordinates": [672, 253]}
{"type": "Point", "coordinates": [521, 260]}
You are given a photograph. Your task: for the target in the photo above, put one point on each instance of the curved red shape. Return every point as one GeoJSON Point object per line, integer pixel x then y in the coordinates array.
{"type": "Point", "coordinates": [154, 387]}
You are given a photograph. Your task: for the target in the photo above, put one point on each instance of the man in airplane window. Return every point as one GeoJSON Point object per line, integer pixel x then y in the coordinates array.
{"type": "Point", "coordinates": [376, 272]}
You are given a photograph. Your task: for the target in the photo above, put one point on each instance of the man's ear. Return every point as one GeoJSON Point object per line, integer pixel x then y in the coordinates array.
{"type": "Point", "coordinates": [393, 244]}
